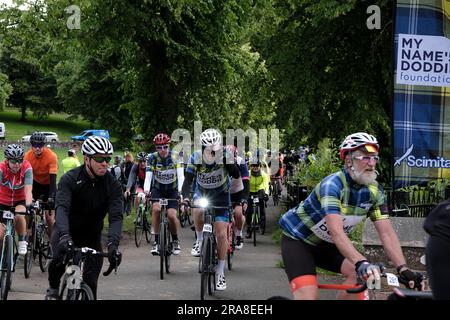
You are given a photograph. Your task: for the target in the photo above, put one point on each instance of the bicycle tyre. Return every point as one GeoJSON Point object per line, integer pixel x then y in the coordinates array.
{"type": "Point", "coordinates": [147, 229]}
{"type": "Point", "coordinates": [168, 252]}
{"type": "Point", "coordinates": [162, 249]}
{"type": "Point", "coordinates": [5, 278]}
{"type": "Point", "coordinates": [205, 258]}
{"type": "Point", "coordinates": [255, 224]}
{"type": "Point", "coordinates": [182, 218]}
{"type": "Point", "coordinates": [28, 259]}
{"type": "Point", "coordinates": [84, 293]}
{"type": "Point", "coordinates": [45, 249]}
{"type": "Point", "coordinates": [230, 251]}
{"type": "Point", "coordinates": [212, 274]}
{"type": "Point", "coordinates": [138, 228]}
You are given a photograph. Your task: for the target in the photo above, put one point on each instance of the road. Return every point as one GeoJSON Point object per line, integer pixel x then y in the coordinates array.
{"type": "Point", "coordinates": [256, 274]}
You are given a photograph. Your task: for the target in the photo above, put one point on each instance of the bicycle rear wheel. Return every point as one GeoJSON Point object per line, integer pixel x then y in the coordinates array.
{"type": "Point", "coordinates": [28, 259]}
{"type": "Point", "coordinates": [45, 249]}
{"type": "Point", "coordinates": [147, 229]}
{"type": "Point", "coordinates": [138, 228]}
{"type": "Point", "coordinates": [5, 278]}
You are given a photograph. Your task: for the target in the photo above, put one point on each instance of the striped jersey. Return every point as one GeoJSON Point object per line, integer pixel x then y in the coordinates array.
{"type": "Point", "coordinates": [336, 194]}
{"type": "Point", "coordinates": [164, 170]}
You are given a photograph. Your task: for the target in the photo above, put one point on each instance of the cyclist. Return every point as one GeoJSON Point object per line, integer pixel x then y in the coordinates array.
{"type": "Point", "coordinates": [259, 186]}
{"type": "Point", "coordinates": [315, 232]}
{"type": "Point", "coordinates": [437, 225]}
{"type": "Point", "coordinates": [45, 168]}
{"type": "Point", "coordinates": [211, 182]}
{"type": "Point", "coordinates": [16, 183]}
{"type": "Point", "coordinates": [275, 173]}
{"type": "Point", "coordinates": [239, 190]}
{"type": "Point", "coordinates": [70, 162]}
{"type": "Point", "coordinates": [126, 167]}
{"type": "Point", "coordinates": [165, 170]}
{"type": "Point", "coordinates": [85, 195]}
{"type": "Point", "coordinates": [136, 178]}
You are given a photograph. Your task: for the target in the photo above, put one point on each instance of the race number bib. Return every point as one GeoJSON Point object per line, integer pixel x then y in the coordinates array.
{"type": "Point", "coordinates": [320, 229]}
{"type": "Point", "coordinates": [8, 215]}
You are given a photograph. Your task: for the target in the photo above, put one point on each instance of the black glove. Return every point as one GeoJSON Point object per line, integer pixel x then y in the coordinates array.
{"type": "Point", "coordinates": [186, 203]}
{"type": "Point", "coordinates": [407, 275]}
{"type": "Point", "coordinates": [65, 242]}
{"type": "Point", "coordinates": [51, 203]}
{"type": "Point", "coordinates": [114, 256]}
{"type": "Point", "coordinates": [363, 267]}
{"type": "Point", "coordinates": [266, 197]}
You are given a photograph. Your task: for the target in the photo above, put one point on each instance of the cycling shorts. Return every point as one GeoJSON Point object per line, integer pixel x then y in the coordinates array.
{"type": "Point", "coordinates": [168, 194]}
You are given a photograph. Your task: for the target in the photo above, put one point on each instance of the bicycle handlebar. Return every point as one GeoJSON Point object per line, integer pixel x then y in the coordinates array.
{"type": "Point", "coordinates": [85, 252]}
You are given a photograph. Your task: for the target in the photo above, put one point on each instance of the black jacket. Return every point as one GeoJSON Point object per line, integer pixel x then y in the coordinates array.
{"type": "Point", "coordinates": [82, 204]}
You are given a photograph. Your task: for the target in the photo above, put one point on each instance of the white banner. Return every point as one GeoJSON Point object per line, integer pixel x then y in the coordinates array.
{"type": "Point", "coordinates": [423, 60]}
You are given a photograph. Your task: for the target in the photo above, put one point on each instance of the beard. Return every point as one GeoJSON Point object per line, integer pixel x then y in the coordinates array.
{"type": "Point", "coordinates": [364, 177]}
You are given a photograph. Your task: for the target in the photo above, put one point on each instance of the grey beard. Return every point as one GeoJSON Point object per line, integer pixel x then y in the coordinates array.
{"type": "Point", "coordinates": [364, 177]}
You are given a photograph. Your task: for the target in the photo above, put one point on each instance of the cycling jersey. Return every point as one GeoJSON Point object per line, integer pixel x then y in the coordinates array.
{"type": "Point", "coordinates": [69, 163]}
{"type": "Point", "coordinates": [164, 170]}
{"type": "Point", "coordinates": [82, 204]}
{"type": "Point", "coordinates": [43, 166]}
{"type": "Point", "coordinates": [209, 177]}
{"type": "Point", "coordinates": [259, 181]}
{"type": "Point", "coordinates": [137, 176]}
{"type": "Point", "coordinates": [336, 194]}
{"type": "Point", "coordinates": [12, 185]}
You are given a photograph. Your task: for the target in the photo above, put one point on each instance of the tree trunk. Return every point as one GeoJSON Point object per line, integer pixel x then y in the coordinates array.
{"type": "Point", "coordinates": [24, 114]}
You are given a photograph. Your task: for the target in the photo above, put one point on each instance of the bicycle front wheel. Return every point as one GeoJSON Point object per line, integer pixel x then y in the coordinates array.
{"type": "Point", "coordinates": [138, 228]}
{"type": "Point", "coordinates": [28, 259]}
{"type": "Point", "coordinates": [206, 261]}
{"type": "Point", "coordinates": [5, 278]}
{"type": "Point", "coordinates": [162, 248]}
{"type": "Point", "coordinates": [147, 229]}
{"type": "Point", "coordinates": [230, 251]}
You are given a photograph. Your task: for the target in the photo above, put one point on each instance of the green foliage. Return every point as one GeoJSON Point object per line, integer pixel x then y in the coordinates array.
{"type": "Point", "coordinates": [326, 163]}
{"type": "Point", "coordinates": [5, 90]}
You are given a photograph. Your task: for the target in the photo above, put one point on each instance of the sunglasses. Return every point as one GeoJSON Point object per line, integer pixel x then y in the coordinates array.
{"type": "Point", "coordinates": [162, 147]}
{"type": "Point", "coordinates": [37, 145]}
{"type": "Point", "coordinates": [366, 159]}
{"type": "Point", "coordinates": [14, 161]}
{"type": "Point", "coordinates": [101, 159]}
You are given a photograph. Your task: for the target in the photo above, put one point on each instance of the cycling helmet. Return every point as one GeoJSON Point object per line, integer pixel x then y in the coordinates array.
{"type": "Point", "coordinates": [117, 159]}
{"type": "Point", "coordinates": [357, 140]}
{"type": "Point", "coordinates": [95, 144]}
{"type": "Point", "coordinates": [13, 151]}
{"type": "Point", "coordinates": [37, 138]}
{"type": "Point", "coordinates": [161, 139]}
{"type": "Point", "coordinates": [211, 138]}
{"type": "Point", "coordinates": [141, 156]}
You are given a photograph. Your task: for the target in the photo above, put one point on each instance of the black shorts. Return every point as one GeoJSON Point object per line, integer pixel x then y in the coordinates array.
{"type": "Point", "coordinates": [168, 194]}
{"type": "Point", "coordinates": [236, 198]}
{"type": "Point", "coordinates": [5, 207]}
{"type": "Point", "coordinates": [40, 191]}
{"type": "Point", "coordinates": [301, 259]}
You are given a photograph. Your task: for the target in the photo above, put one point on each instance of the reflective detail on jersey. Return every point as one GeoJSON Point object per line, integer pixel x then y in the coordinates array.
{"type": "Point", "coordinates": [320, 229]}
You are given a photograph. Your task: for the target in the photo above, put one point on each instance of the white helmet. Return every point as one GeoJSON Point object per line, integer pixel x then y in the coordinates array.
{"type": "Point", "coordinates": [211, 138]}
{"type": "Point", "coordinates": [95, 144]}
{"type": "Point", "coordinates": [355, 141]}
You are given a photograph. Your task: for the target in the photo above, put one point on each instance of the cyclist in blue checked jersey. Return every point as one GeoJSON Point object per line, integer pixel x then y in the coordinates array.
{"type": "Point", "coordinates": [212, 181]}
{"type": "Point", "coordinates": [315, 232]}
{"type": "Point", "coordinates": [165, 174]}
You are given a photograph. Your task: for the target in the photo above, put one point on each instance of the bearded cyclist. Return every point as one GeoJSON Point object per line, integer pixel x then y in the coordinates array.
{"type": "Point", "coordinates": [315, 232]}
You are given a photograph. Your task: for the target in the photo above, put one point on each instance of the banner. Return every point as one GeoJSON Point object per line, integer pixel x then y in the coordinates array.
{"type": "Point", "coordinates": [421, 107]}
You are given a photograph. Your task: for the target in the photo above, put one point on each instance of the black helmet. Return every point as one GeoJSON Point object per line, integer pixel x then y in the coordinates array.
{"type": "Point", "coordinates": [141, 156]}
{"type": "Point", "coordinates": [13, 151]}
{"type": "Point", "coordinates": [37, 138]}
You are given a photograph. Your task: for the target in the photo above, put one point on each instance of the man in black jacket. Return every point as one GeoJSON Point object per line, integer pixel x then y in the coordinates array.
{"type": "Point", "coordinates": [85, 195]}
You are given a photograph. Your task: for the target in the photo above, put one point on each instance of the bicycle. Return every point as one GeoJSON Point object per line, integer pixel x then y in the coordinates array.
{"type": "Point", "coordinates": [141, 225]}
{"type": "Point", "coordinates": [72, 285]}
{"type": "Point", "coordinates": [274, 191]}
{"type": "Point", "coordinates": [39, 239]}
{"type": "Point", "coordinates": [231, 237]}
{"type": "Point", "coordinates": [256, 223]}
{"type": "Point", "coordinates": [208, 256]}
{"type": "Point", "coordinates": [9, 253]}
{"type": "Point", "coordinates": [185, 217]}
{"type": "Point", "coordinates": [165, 243]}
